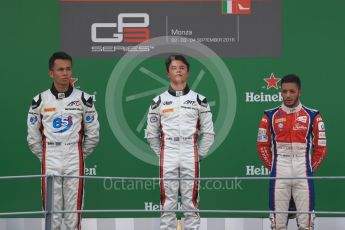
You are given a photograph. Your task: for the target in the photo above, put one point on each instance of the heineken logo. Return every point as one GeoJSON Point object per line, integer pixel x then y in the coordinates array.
{"type": "Point", "coordinates": [269, 94]}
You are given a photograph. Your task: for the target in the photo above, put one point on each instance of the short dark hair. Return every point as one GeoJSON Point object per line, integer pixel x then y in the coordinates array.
{"type": "Point", "coordinates": [291, 78]}
{"type": "Point", "coordinates": [58, 55]}
{"type": "Point", "coordinates": [177, 57]}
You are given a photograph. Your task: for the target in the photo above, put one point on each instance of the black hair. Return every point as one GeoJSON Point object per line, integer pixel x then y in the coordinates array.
{"type": "Point", "coordinates": [177, 57]}
{"type": "Point", "coordinates": [291, 78]}
{"type": "Point", "coordinates": [58, 55]}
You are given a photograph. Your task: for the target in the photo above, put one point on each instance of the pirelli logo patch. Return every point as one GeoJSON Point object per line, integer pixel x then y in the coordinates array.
{"type": "Point", "coordinates": [279, 120]}
{"type": "Point", "coordinates": [49, 109]}
{"type": "Point", "coordinates": [169, 110]}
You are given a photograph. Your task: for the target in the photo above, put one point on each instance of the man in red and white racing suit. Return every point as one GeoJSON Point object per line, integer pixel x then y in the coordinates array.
{"type": "Point", "coordinates": [62, 130]}
{"type": "Point", "coordinates": [291, 143]}
{"type": "Point", "coordinates": [175, 120]}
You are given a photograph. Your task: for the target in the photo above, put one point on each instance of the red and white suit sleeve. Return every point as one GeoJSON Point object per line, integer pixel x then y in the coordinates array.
{"type": "Point", "coordinates": [264, 142]}
{"type": "Point", "coordinates": [319, 142]}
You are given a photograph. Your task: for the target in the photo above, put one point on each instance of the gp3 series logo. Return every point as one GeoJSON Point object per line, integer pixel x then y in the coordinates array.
{"type": "Point", "coordinates": [127, 32]}
{"type": "Point", "coordinates": [62, 123]}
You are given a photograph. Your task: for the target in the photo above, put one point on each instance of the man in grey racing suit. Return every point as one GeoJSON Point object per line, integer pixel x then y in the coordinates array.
{"type": "Point", "coordinates": [175, 119]}
{"type": "Point", "coordinates": [62, 130]}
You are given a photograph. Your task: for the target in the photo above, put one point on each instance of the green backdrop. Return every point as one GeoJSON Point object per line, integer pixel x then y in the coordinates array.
{"type": "Point", "coordinates": [312, 46]}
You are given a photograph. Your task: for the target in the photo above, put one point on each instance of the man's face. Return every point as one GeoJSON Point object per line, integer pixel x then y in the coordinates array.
{"type": "Point", "coordinates": [178, 73]}
{"type": "Point", "coordinates": [290, 93]}
{"type": "Point", "coordinates": [61, 72]}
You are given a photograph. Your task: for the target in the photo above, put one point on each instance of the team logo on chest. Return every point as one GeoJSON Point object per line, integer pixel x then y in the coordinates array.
{"type": "Point", "coordinates": [189, 102]}
{"type": "Point", "coordinates": [62, 123]}
{"type": "Point", "coordinates": [167, 102]}
{"type": "Point", "coordinates": [74, 103]}
{"type": "Point", "coordinates": [299, 126]}
{"type": "Point", "coordinates": [302, 119]}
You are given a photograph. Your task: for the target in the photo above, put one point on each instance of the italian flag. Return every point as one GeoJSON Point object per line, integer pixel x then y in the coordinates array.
{"type": "Point", "coordinates": [227, 7]}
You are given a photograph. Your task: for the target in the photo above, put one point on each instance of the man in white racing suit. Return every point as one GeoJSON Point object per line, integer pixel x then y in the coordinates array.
{"type": "Point", "coordinates": [175, 120]}
{"type": "Point", "coordinates": [62, 130]}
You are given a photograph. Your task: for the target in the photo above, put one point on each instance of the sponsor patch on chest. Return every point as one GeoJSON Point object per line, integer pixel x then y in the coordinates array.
{"type": "Point", "coordinates": [168, 110]}
{"type": "Point", "coordinates": [280, 120]}
{"type": "Point", "coordinates": [302, 119]}
{"type": "Point", "coordinates": [49, 109]}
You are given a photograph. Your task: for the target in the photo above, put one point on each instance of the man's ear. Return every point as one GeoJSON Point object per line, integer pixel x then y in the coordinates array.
{"type": "Point", "coordinates": [50, 73]}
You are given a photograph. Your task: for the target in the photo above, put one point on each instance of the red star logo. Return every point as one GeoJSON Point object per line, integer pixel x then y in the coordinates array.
{"type": "Point", "coordinates": [73, 80]}
{"type": "Point", "coordinates": [272, 81]}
